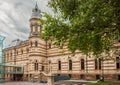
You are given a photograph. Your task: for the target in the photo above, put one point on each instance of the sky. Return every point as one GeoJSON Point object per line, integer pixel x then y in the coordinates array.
{"type": "Point", "coordinates": [14, 18]}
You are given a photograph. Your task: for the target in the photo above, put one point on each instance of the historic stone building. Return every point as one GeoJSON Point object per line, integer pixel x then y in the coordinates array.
{"type": "Point", "coordinates": [37, 55]}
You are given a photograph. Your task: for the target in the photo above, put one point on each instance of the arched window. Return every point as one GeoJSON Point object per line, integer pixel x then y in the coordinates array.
{"type": "Point", "coordinates": [42, 68]}
{"type": "Point", "coordinates": [49, 45]}
{"type": "Point", "coordinates": [36, 66]}
{"type": "Point", "coordinates": [21, 51]}
{"type": "Point", "coordinates": [59, 65]}
{"type": "Point", "coordinates": [36, 43]}
{"type": "Point", "coordinates": [70, 64]}
{"type": "Point", "coordinates": [100, 64]}
{"type": "Point", "coordinates": [96, 63]}
{"type": "Point", "coordinates": [36, 28]}
{"type": "Point", "coordinates": [82, 64]}
{"type": "Point", "coordinates": [16, 52]}
{"type": "Point", "coordinates": [117, 62]}
{"type": "Point", "coordinates": [31, 44]}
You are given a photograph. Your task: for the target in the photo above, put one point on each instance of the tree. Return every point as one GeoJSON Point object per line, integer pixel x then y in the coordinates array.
{"type": "Point", "coordinates": [84, 25]}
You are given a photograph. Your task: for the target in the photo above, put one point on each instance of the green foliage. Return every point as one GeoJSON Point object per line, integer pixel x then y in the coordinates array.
{"type": "Point", "coordinates": [85, 25]}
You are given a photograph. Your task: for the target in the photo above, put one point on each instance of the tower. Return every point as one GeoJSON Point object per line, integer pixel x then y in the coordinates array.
{"type": "Point", "coordinates": [35, 24]}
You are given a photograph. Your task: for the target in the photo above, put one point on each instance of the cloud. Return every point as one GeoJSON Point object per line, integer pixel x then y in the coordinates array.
{"type": "Point", "coordinates": [14, 18]}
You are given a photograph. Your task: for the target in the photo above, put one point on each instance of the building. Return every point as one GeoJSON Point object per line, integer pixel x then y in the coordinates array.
{"type": "Point", "coordinates": [37, 55]}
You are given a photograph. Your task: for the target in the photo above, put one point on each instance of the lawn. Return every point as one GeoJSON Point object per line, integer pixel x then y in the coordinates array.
{"type": "Point", "coordinates": [104, 83]}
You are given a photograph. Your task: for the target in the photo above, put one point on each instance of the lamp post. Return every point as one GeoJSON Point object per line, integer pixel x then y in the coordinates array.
{"type": "Point", "coordinates": [40, 77]}
{"type": "Point", "coordinates": [102, 76]}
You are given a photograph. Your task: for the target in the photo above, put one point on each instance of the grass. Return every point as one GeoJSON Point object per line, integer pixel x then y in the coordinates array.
{"type": "Point", "coordinates": [104, 83]}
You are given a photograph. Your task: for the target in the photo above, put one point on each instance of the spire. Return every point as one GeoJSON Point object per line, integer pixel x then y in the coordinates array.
{"type": "Point", "coordinates": [36, 12]}
{"type": "Point", "coordinates": [36, 6]}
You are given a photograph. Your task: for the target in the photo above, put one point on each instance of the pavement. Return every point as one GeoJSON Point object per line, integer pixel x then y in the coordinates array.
{"type": "Point", "coordinates": [22, 83]}
{"type": "Point", "coordinates": [74, 82]}
{"type": "Point", "coordinates": [63, 82]}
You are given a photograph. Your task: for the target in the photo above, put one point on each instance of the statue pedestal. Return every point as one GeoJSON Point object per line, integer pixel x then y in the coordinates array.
{"type": "Point", "coordinates": [50, 78]}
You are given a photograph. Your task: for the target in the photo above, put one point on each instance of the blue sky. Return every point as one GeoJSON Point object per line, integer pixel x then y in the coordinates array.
{"type": "Point", "coordinates": [14, 18]}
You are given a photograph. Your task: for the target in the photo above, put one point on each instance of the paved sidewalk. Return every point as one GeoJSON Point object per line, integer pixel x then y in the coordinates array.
{"type": "Point", "coordinates": [64, 82]}
{"type": "Point", "coordinates": [73, 82]}
{"type": "Point", "coordinates": [22, 83]}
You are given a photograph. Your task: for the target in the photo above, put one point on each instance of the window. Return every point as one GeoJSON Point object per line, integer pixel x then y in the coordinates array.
{"type": "Point", "coordinates": [36, 66]}
{"type": "Point", "coordinates": [36, 28]}
{"type": "Point", "coordinates": [69, 75]}
{"type": "Point", "coordinates": [117, 62]}
{"type": "Point", "coordinates": [96, 67]}
{"type": "Point", "coordinates": [21, 51]}
{"type": "Point", "coordinates": [118, 77]}
{"type": "Point", "coordinates": [81, 76]}
{"type": "Point", "coordinates": [42, 68]}
{"type": "Point", "coordinates": [117, 65]}
{"type": "Point", "coordinates": [10, 54]}
{"type": "Point", "coordinates": [117, 58]}
{"type": "Point", "coordinates": [59, 65]}
{"type": "Point", "coordinates": [30, 75]}
{"type": "Point", "coordinates": [49, 45]}
{"type": "Point", "coordinates": [82, 64]}
{"type": "Point", "coordinates": [31, 44]}
{"type": "Point", "coordinates": [99, 64]}
{"type": "Point", "coordinates": [16, 52]}
{"type": "Point", "coordinates": [36, 43]}
{"type": "Point", "coordinates": [58, 75]}
{"type": "Point", "coordinates": [97, 76]}
{"type": "Point", "coordinates": [70, 64]}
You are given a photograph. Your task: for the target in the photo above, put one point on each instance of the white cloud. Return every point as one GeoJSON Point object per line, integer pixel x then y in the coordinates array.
{"type": "Point", "coordinates": [14, 18]}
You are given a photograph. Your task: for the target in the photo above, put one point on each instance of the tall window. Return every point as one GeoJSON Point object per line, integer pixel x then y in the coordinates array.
{"type": "Point", "coordinates": [42, 68]}
{"type": "Point", "coordinates": [117, 63]}
{"type": "Point", "coordinates": [36, 43]}
{"type": "Point", "coordinates": [16, 52]}
{"type": "Point", "coordinates": [82, 64]}
{"type": "Point", "coordinates": [100, 64]}
{"type": "Point", "coordinates": [36, 28]}
{"type": "Point", "coordinates": [36, 66]}
{"type": "Point", "coordinates": [49, 45]}
{"type": "Point", "coordinates": [31, 44]}
{"type": "Point", "coordinates": [70, 64]}
{"type": "Point", "coordinates": [96, 67]}
{"type": "Point", "coordinates": [59, 65]}
{"type": "Point", "coordinates": [21, 51]}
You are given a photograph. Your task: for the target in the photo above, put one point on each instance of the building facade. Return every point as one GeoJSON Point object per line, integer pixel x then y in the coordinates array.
{"type": "Point", "coordinates": [36, 55]}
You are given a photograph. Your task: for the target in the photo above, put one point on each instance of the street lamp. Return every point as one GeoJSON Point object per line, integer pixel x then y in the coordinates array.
{"type": "Point", "coordinates": [40, 77]}
{"type": "Point", "coordinates": [102, 75]}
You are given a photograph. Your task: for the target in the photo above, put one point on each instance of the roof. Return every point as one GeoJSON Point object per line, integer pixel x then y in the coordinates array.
{"type": "Point", "coordinates": [36, 12]}
{"type": "Point", "coordinates": [15, 43]}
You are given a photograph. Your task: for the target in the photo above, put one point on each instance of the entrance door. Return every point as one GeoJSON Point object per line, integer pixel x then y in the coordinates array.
{"type": "Point", "coordinates": [97, 77]}
{"type": "Point", "coordinates": [17, 77]}
{"type": "Point", "coordinates": [119, 77]}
